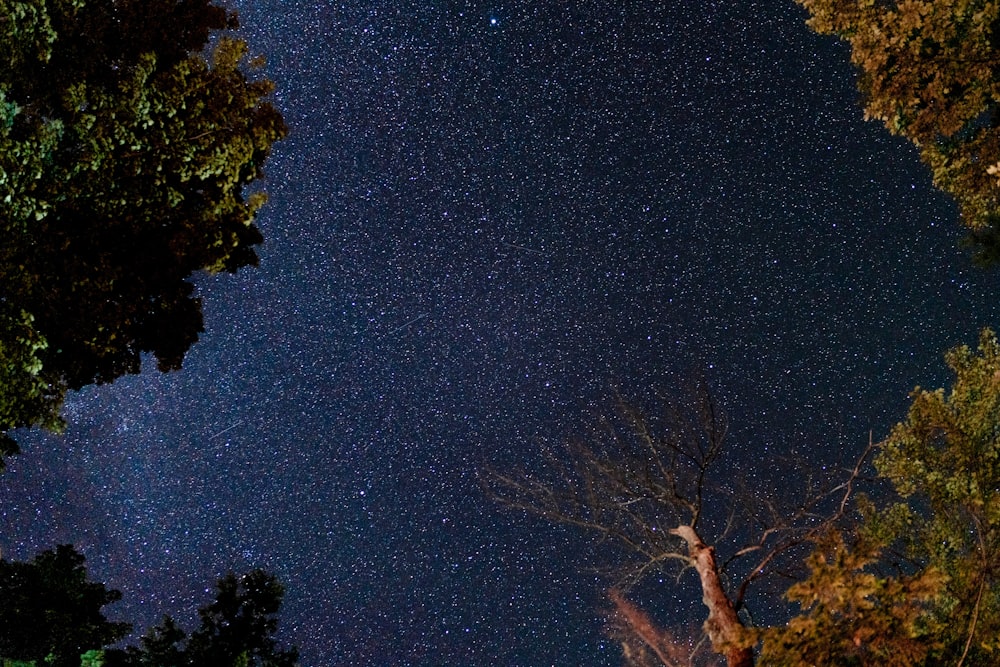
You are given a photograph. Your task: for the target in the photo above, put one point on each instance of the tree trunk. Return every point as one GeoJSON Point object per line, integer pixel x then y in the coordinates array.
{"type": "Point", "coordinates": [723, 626]}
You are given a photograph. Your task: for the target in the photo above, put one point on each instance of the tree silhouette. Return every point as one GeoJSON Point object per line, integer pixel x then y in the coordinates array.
{"type": "Point", "coordinates": [51, 613]}
{"type": "Point", "coordinates": [237, 628]}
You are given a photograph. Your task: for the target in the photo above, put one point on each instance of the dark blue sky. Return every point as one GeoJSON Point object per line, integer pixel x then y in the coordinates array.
{"type": "Point", "coordinates": [486, 216]}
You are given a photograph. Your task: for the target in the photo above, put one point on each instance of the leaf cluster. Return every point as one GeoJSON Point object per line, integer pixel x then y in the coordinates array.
{"type": "Point", "coordinates": [124, 159]}
{"type": "Point", "coordinates": [944, 461]}
{"type": "Point", "coordinates": [920, 584]}
{"type": "Point", "coordinates": [930, 71]}
{"type": "Point", "coordinates": [853, 616]}
{"type": "Point", "coordinates": [52, 615]}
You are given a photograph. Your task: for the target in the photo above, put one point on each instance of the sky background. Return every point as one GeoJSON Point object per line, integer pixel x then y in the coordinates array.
{"type": "Point", "coordinates": [484, 218]}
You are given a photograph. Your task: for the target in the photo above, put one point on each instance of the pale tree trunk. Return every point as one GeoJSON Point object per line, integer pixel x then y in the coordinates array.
{"type": "Point", "coordinates": [723, 626]}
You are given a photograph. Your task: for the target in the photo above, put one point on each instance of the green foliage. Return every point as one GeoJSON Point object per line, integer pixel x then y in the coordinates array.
{"type": "Point", "coordinates": [944, 461]}
{"type": "Point", "coordinates": [124, 156]}
{"type": "Point", "coordinates": [921, 583]}
{"type": "Point", "coordinates": [51, 613]}
{"type": "Point", "coordinates": [851, 615]}
{"type": "Point", "coordinates": [93, 658]}
{"type": "Point", "coordinates": [930, 71]}
{"type": "Point", "coordinates": [24, 396]}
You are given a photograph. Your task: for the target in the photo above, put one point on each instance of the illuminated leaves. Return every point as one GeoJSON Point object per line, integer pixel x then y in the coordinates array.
{"type": "Point", "coordinates": [930, 71]}
{"type": "Point", "coordinates": [949, 448]}
{"type": "Point", "coordinates": [944, 461]}
{"type": "Point", "coordinates": [851, 616]}
{"type": "Point", "coordinates": [919, 583]}
{"type": "Point", "coordinates": [123, 161]}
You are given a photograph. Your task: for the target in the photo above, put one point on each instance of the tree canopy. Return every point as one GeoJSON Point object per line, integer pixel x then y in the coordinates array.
{"type": "Point", "coordinates": [125, 155]}
{"type": "Point", "coordinates": [930, 71]}
{"type": "Point", "coordinates": [51, 612]}
{"type": "Point", "coordinates": [919, 585]}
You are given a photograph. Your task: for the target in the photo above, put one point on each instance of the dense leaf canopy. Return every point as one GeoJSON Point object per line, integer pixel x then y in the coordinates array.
{"type": "Point", "coordinates": [124, 156]}
{"type": "Point", "coordinates": [945, 463]}
{"type": "Point", "coordinates": [930, 70]}
{"type": "Point", "coordinates": [921, 583]}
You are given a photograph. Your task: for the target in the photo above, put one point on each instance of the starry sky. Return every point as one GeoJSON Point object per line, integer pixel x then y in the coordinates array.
{"type": "Point", "coordinates": [485, 217]}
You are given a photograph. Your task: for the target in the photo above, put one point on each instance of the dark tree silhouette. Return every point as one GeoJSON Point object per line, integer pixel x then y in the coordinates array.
{"type": "Point", "coordinates": [50, 613]}
{"type": "Point", "coordinates": [237, 628]}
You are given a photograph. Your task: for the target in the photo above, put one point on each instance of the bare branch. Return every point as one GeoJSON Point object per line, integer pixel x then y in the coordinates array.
{"type": "Point", "coordinates": [634, 477]}
{"type": "Point", "coordinates": [793, 529]}
{"type": "Point", "coordinates": [637, 631]}
{"type": "Point", "coordinates": [641, 479]}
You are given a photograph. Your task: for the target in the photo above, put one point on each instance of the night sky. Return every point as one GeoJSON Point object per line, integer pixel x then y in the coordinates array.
{"type": "Point", "coordinates": [485, 217]}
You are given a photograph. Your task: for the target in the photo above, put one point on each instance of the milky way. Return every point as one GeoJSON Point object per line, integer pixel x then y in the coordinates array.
{"type": "Point", "coordinates": [485, 217]}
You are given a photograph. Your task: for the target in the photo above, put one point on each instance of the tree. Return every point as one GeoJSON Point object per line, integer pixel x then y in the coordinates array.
{"type": "Point", "coordinates": [930, 71]}
{"type": "Point", "coordinates": [51, 615]}
{"type": "Point", "coordinates": [853, 615]}
{"type": "Point", "coordinates": [51, 612]}
{"type": "Point", "coordinates": [920, 585]}
{"type": "Point", "coordinates": [905, 578]}
{"type": "Point", "coordinates": [124, 157]}
{"type": "Point", "coordinates": [643, 480]}
{"type": "Point", "coordinates": [237, 629]}
{"type": "Point", "coordinates": [944, 463]}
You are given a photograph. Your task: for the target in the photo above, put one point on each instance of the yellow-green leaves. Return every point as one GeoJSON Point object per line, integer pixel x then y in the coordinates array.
{"type": "Point", "coordinates": [26, 398]}
{"type": "Point", "coordinates": [930, 71]}
{"type": "Point", "coordinates": [853, 616]}
{"type": "Point", "coordinates": [944, 461]}
{"type": "Point", "coordinates": [919, 584]}
{"type": "Point", "coordinates": [949, 447]}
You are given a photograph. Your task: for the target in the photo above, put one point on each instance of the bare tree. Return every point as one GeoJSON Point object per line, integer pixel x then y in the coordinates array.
{"type": "Point", "coordinates": [643, 479]}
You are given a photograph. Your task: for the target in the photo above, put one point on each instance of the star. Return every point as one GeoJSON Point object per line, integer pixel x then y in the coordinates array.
{"type": "Point", "coordinates": [621, 210]}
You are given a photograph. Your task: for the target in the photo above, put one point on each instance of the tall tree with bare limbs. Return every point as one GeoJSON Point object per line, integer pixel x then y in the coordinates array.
{"type": "Point", "coordinates": [904, 575]}
{"type": "Point", "coordinates": [647, 479]}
